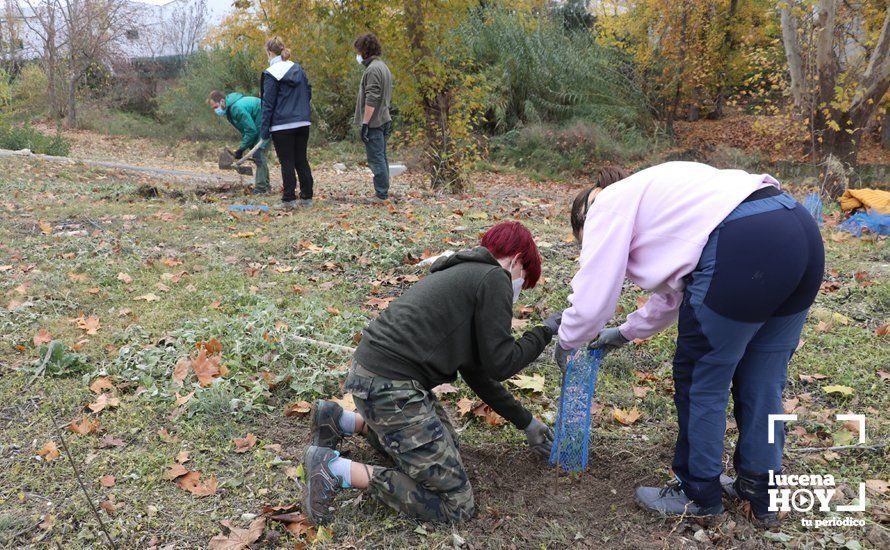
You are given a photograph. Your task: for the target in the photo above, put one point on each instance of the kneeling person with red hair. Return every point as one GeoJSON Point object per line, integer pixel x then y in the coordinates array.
{"type": "Point", "coordinates": [457, 319]}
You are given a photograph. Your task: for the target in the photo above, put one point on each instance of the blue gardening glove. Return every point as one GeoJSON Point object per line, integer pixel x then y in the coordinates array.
{"type": "Point", "coordinates": [609, 339]}
{"type": "Point", "coordinates": [365, 129]}
{"type": "Point", "coordinates": [553, 322]}
{"type": "Point", "coordinates": [539, 437]}
{"type": "Point", "coordinates": [239, 153]}
{"type": "Point", "coordinates": [561, 356]}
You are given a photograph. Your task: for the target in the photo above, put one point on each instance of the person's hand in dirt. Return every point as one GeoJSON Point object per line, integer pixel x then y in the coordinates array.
{"type": "Point", "coordinates": [553, 322]}
{"type": "Point", "coordinates": [539, 437]}
{"type": "Point", "coordinates": [609, 339]}
{"type": "Point", "coordinates": [561, 356]}
{"type": "Point", "coordinates": [239, 153]}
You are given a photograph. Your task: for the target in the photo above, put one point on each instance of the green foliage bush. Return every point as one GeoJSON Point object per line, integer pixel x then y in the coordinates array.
{"type": "Point", "coordinates": [28, 93]}
{"type": "Point", "coordinates": [25, 137]}
{"type": "Point", "coordinates": [539, 71]}
{"type": "Point", "coordinates": [576, 148]}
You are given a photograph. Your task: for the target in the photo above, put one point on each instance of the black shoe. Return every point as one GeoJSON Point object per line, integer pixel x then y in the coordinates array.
{"type": "Point", "coordinates": [671, 500]}
{"type": "Point", "coordinates": [325, 418]}
{"type": "Point", "coordinates": [764, 519]}
{"type": "Point", "coordinates": [321, 485]}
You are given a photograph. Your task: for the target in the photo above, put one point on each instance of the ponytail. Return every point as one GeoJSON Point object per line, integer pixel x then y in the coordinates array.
{"type": "Point", "coordinates": [276, 45]}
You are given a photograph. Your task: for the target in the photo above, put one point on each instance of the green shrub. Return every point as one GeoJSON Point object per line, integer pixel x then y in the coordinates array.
{"type": "Point", "coordinates": [578, 148]}
{"type": "Point", "coordinates": [25, 137]}
{"type": "Point", "coordinates": [541, 72]}
{"type": "Point", "coordinates": [28, 93]}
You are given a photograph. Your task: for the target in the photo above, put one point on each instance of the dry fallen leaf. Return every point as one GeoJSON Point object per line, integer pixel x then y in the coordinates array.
{"type": "Point", "coordinates": [626, 417]}
{"type": "Point", "coordinates": [90, 324]}
{"type": "Point", "coordinates": [238, 539]}
{"type": "Point", "coordinates": [183, 399]}
{"type": "Point", "coordinates": [298, 408]}
{"type": "Point", "coordinates": [175, 471]}
{"type": "Point", "coordinates": [45, 228]}
{"type": "Point", "coordinates": [464, 406]}
{"type": "Point", "coordinates": [42, 337]}
{"type": "Point", "coordinates": [641, 391]}
{"type": "Point", "coordinates": [181, 370]}
{"type": "Point", "coordinates": [104, 401]}
{"type": "Point", "coordinates": [49, 451]}
{"type": "Point", "coordinates": [879, 486]}
{"type": "Point", "coordinates": [444, 389]}
{"type": "Point", "coordinates": [84, 426]}
{"type": "Point", "coordinates": [110, 506]}
{"type": "Point", "coordinates": [244, 444]}
{"type": "Point", "coordinates": [192, 483]}
{"type": "Point", "coordinates": [101, 384]}
{"type": "Point", "coordinates": [843, 390]}
{"type": "Point", "coordinates": [485, 412]}
{"type": "Point", "coordinates": [534, 383]}
{"type": "Point", "coordinates": [207, 368]}
{"type": "Point", "coordinates": [182, 457]}
{"type": "Point", "coordinates": [148, 297]}
{"type": "Point", "coordinates": [883, 330]}
{"type": "Point", "coordinates": [212, 346]}
{"type": "Point", "coordinates": [107, 481]}
{"type": "Point", "coordinates": [123, 277]}
{"type": "Point", "coordinates": [823, 327]}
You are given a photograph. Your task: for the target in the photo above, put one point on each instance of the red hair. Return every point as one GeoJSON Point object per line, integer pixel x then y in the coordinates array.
{"type": "Point", "coordinates": [507, 239]}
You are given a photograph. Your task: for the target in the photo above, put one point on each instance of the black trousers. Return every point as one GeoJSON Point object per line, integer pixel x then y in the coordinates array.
{"type": "Point", "coordinates": [290, 146]}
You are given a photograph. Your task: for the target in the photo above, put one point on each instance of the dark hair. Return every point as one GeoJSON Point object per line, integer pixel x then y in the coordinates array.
{"type": "Point", "coordinates": [276, 46]}
{"type": "Point", "coordinates": [606, 177]}
{"type": "Point", "coordinates": [216, 96]}
{"type": "Point", "coordinates": [508, 239]}
{"type": "Point", "coordinates": [367, 45]}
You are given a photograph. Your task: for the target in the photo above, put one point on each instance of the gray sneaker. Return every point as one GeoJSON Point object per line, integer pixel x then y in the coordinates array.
{"type": "Point", "coordinates": [670, 500]}
{"type": "Point", "coordinates": [321, 485]}
{"type": "Point", "coordinates": [286, 205]}
{"type": "Point", "coordinates": [305, 203]}
{"type": "Point", "coordinates": [325, 419]}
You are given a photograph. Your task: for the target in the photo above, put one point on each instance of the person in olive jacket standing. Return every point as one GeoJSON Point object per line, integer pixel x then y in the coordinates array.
{"type": "Point", "coordinates": [456, 320]}
{"type": "Point", "coordinates": [286, 93]}
{"type": "Point", "coordinates": [372, 111]}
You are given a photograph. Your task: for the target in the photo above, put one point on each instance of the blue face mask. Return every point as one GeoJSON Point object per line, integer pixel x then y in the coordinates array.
{"type": "Point", "coordinates": [219, 111]}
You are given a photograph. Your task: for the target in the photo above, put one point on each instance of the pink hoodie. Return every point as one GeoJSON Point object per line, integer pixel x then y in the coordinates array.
{"type": "Point", "coordinates": [650, 227]}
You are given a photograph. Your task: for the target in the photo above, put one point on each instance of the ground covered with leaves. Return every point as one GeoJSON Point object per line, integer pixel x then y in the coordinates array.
{"type": "Point", "coordinates": [158, 335]}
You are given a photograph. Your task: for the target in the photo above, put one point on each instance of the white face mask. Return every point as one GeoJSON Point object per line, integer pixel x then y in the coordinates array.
{"type": "Point", "coordinates": [517, 285]}
{"type": "Point", "coordinates": [517, 288]}
{"type": "Point", "coordinates": [359, 58]}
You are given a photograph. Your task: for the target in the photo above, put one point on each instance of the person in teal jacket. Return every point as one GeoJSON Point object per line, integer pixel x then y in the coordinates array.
{"type": "Point", "coordinates": [246, 115]}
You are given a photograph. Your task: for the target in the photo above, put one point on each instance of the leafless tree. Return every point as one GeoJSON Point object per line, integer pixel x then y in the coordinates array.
{"type": "Point", "coordinates": [186, 27]}
{"type": "Point", "coordinates": [94, 31]}
{"type": "Point", "coordinates": [42, 18]}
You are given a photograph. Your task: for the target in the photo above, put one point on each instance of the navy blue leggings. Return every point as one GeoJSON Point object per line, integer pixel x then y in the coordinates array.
{"type": "Point", "coordinates": [740, 321]}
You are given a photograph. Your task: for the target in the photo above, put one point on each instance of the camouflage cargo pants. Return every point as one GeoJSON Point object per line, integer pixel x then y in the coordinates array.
{"type": "Point", "coordinates": [409, 424]}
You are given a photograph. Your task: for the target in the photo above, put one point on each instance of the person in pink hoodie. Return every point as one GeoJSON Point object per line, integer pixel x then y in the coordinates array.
{"type": "Point", "coordinates": [738, 263]}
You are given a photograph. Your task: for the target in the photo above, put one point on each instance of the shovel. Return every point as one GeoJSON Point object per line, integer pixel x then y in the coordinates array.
{"type": "Point", "coordinates": [227, 162]}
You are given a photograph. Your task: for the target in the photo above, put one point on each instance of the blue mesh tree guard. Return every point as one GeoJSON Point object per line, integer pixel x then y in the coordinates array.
{"type": "Point", "coordinates": [572, 437]}
{"type": "Point", "coordinates": [813, 203]}
{"type": "Point", "coordinates": [879, 224]}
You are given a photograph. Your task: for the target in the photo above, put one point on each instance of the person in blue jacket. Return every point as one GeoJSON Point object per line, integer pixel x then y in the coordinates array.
{"type": "Point", "coordinates": [286, 93]}
{"type": "Point", "coordinates": [245, 114]}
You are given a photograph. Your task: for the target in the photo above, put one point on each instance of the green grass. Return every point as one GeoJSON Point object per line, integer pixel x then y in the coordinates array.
{"type": "Point", "coordinates": [239, 289]}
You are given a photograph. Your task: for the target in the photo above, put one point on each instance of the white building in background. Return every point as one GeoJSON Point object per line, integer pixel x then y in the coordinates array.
{"type": "Point", "coordinates": [160, 28]}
